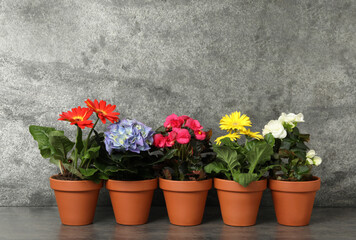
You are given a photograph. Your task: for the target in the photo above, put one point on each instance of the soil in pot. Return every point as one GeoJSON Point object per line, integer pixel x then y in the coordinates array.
{"type": "Point", "coordinates": [131, 200]}
{"type": "Point", "coordinates": [239, 205]}
{"type": "Point", "coordinates": [185, 200]}
{"type": "Point", "coordinates": [68, 177]}
{"type": "Point", "coordinates": [76, 200]}
{"type": "Point", "coordinates": [293, 201]}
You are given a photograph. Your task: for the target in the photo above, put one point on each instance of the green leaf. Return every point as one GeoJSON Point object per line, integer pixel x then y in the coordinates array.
{"type": "Point", "coordinates": [231, 144]}
{"type": "Point", "coordinates": [126, 170]}
{"type": "Point", "coordinates": [72, 155]}
{"type": "Point", "coordinates": [46, 152]}
{"type": "Point", "coordinates": [227, 155]}
{"type": "Point", "coordinates": [161, 129]}
{"type": "Point", "coordinates": [91, 153]}
{"type": "Point", "coordinates": [216, 167]}
{"type": "Point", "coordinates": [108, 169]}
{"type": "Point", "coordinates": [112, 168]}
{"type": "Point", "coordinates": [96, 140]}
{"type": "Point", "coordinates": [244, 178]}
{"type": "Point", "coordinates": [41, 135]}
{"type": "Point", "coordinates": [118, 157]}
{"type": "Point", "coordinates": [288, 127]}
{"type": "Point", "coordinates": [270, 139]}
{"type": "Point", "coordinates": [79, 145]}
{"type": "Point", "coordinates": [300, 153]}
{"type": "Point", "coordinates": [55, 162]}
{"type": "Point", "coordinates": [303, 169]}
{"type": "Point", "coordinates": [259, 154]}
{"type": "Point", "coordinates": [73, 170]}
{"type": "Point", "coordinates": [171, 153]}
{"type": "Point", "coordinates": [88, 172]}
{"type": "Point", "coordinates": [60, 145]}
{"type": "Point", "coordinates": [294, 161]}
{"type": "Point", "coordinates": [99, 164]}
{"type": "Point", "coordinates": [304, 137]}
{"type": "Point", "coordinates": [250, 144]}
{"type": "Point", "coordinates": [285, 144]}
{"type": "Point", "coordinates": [302, 146]}
{"type": "Point", "coordinates": [302, 172]}
{"type": "Point", "coordinates": [103, 176]}
{"type": "Point", "coordinates": [296, 131]}
{"type": "Point", "coordinates": [263, 170]}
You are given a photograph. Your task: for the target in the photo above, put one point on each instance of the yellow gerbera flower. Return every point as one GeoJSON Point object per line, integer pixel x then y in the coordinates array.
{"type": "Point", "coordinates": [235, 121]}
{"type": "Point", "coordinates": [232, 136]}
{"type": "Point", "coordinates": [255, 135]}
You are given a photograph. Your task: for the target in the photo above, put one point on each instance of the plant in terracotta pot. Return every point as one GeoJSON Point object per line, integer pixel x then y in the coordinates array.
{"type": "Point", "coordinates": [128, 164]}
{"type": "Point", "coordinates": [239, 169]}
{"type": "Point", "coordinates": [185, 149]}
{"type": "Point", "coordinates": [77, 185]}
{"type": "Point", "coordinates": [292, 184]}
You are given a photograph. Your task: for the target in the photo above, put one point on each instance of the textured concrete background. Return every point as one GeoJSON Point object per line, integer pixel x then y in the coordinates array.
{"type": "Point", "coordinates": [201, 58]}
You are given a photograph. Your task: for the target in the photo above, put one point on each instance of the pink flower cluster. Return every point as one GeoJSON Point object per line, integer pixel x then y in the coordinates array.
{"type": "Point", "coordinates": [177, 133]}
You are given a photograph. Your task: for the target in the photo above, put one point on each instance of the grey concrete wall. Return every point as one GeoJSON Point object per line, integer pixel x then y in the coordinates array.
{"type": "Point", "coordinates": [201, 58]}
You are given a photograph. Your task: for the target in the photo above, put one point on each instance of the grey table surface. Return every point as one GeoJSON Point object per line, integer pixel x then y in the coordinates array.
{"type": "Point", "coordinates": [44, 223]}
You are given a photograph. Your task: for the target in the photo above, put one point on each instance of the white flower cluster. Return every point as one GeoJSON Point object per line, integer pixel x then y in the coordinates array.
{"type": "Point", "coordinates": [291, 118]}
{"type": "Point", "coordinates": [276, 126]}
{"type": "Point", "coordinates": [313, 159]}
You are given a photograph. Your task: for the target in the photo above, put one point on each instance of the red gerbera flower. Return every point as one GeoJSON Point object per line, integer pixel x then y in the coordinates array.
{"type": "Point", "coordinates": [78, 116]}
{"type": "Point", "coordinates": [104, 112]}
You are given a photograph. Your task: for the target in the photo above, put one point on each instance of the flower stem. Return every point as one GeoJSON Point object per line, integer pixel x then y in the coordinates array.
{"type": "Point", "coordinates": [60, 167]}
{"type": "Point", "coordinates": [87, 142]}
{"type": "Point", "coordinates": [91, 131]}
{"type": "Point", "coordinates": [76, 151]}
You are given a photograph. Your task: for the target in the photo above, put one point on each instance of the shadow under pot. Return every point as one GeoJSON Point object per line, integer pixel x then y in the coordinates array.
{"type": "Point", "coordinates": [76, 200]}
{"type": "Point", "coordinates": [185, 200]}
{"type": "Point", "coordinates": [131, 200]}
{"type": "Point", "coordinates": [293, 201]}
{"type": "Point", "coordinates": [239, 205]}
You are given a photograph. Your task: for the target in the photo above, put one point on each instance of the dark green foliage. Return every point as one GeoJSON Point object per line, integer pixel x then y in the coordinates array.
{"type": "Point", "coordinates": [125, 166]}
{"type": "Point", "coordinates": [57, 147]}
{"type": "Point", "coordinates": [242, 163]}
{"type": "Point", "coordinates": [290, 157]}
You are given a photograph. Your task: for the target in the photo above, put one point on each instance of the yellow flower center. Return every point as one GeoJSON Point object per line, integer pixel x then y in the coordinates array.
{"type": "Point", "coordinates": [78, 118]}
{"type": "Point", "coordinates": [100, 111]}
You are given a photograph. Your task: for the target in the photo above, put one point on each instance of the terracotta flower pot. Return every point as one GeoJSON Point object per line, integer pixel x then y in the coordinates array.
{"type": "Point", "coordinates": [239, 205]}
{"type": "Point", "coordinates": [185, 200]}
{"type": "Point", "coordinates": [76, 200]}
{"type": "Point", "coordinates": [293, 201]}
{"type": "Point", "coordinates": [131, 200]}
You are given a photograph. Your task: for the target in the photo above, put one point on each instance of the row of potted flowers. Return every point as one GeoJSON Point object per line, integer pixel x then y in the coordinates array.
{"type": "Point", "coordinates": [130, 158]}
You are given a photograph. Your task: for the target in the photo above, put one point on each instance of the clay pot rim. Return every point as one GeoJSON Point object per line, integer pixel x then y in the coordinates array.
{"type": "Point", "coordinates": [131, 186]}
{"type": "Point", "coordinates": [294, 186]}
{"type": "Point", "coordinates": [185, 186]}
{"type": "Point", "coordinates": [232, 186]}
{"type": "Point", "coordinates": [74, 186]}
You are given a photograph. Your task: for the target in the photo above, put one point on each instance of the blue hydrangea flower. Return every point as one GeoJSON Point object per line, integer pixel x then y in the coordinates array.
{"type": "Point", "coordinates": [128, 135]}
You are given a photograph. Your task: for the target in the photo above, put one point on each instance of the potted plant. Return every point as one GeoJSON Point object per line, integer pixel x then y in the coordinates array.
{"type": "Point", "coordinates": [185, 149]}
{"type": "Point", "coordinates": [128, 166]}
{"type": "Point", "coordinates": [292, 184]}
{"type": "Point", "coordinates": [77, 185]}
{"type": "Point", "coordinates": [239, 169]}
